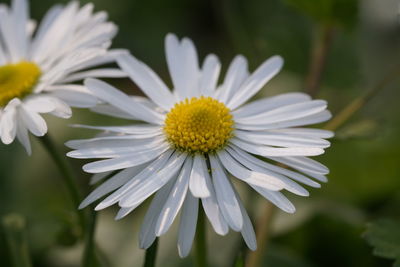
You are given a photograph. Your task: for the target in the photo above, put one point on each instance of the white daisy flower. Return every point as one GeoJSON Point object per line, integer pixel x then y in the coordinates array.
{"type": "Point", "coordinates": [192, 137]}
{"type": "Point", "coordinates": [39, 66]}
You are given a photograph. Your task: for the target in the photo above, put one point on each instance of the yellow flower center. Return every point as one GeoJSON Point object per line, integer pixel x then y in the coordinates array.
{"type": "Point", "coordinates": [17, 80]}
{"type": "Point", "coordinates": [199, 125]}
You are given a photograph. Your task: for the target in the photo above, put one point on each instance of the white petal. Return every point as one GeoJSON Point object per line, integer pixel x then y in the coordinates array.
{"type": "Point", "coordinates": [76, 99]}
{"type": "Point", "coordinates": [8, 126]}
{"type": "Point", "coordinates": [309, 132]}
{"type": "Point", "coordinates": [250, 177]}
{"type": "Point", "coordinates": [198, 176]}
{"type": "Point", "coordinates": [313, 119]}
{"type": "Point", "coordinates": [270, 103]}
{"type": "Point", "coordinates": [288, 184]}
{"type": "Point", "coordinates": [40, 104]}
{"type": "Point", "coordinates": [123, 162]}
{"type": "Point", "coordinates": [303, 164]}
{"type": "Point", "coordinates": [187, 226]}
{"type": "Point", "coordinates": [277, 198]}
{"type": "Point", "coordinates": [285, 113]}
{"type": "Point", "coordinates": [23, 137]}
{"type": "Point", "coordinates": [209, 75]}
{"type": "Point", "coordinates": [137, 129]}
{"type": "Point", "coordinates": [151, 169]}
{"type": "Point", "coordinates": [96, 73]}
{"type": "Point", "coordinates": [256, 81]}
{"type": "Point", "coordinates": [98, 177]}
{"type": "Point", "coordinates": [280, 139]}
{"type": "Point", "coordinates": [183, 66]}
{"type": "Point", "coordinates": [118, 99]}
{"type": "Point", "coordinates": [147, 233]}
{"type": "Point", "coordinates": [235, 76]}
{"type": "Point", "coordinates": [33, 121]}
{"type": "Point", "coordinates": [248, 233]}
{"type": "Point", "coordinates": [175, 199]}
{"type": "Point", "coordinates": [112, 152]}
{"type": "Point", "coordinates": [148, 186]}
{"type": "Point", "coordinates": [111, 184]}
{"type": "Point", "coordinates": [241, 156]}
{"type": "Point", "coordinates": [268, 151]}
{"type": "Point", "coordinates": [147, 80]}
{"type": "Point", "coordinates": [225, 195]}
{"type": "Point", "coordinates": [213, 212]}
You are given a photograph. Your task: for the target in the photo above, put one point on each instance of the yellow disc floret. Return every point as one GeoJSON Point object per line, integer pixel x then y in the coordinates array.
{"type": "Point", "coordinates": [199, 125]}
{"type": "Point", "coordinates": [17, 80]}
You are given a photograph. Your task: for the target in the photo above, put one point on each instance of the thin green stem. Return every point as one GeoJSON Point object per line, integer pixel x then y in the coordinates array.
{"type": "Point", "coordinates": [89, 254]}
{"type": "Point", "coordinates": [66, 174]}
{"type": "Point", "coordinates": [201, 236]}
{"type": "Point", "coordinates": [88, 224]}
{"type": "Point", "coordinates": [14, 228]}
{"type": "Point", "coordinates": [321, 46]}
{"type": "Point", "coordinates": [262, 234]}
{"type": "Point", "coordinates": [347, 112]}
{"type": "Point", "coordinates": [151, 254]}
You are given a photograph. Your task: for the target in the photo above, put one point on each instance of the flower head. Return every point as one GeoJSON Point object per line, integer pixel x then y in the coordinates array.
{"type": "Point", "coordinates": [38, 66]}
{"type": "Point", "coordinates": [191, 137]}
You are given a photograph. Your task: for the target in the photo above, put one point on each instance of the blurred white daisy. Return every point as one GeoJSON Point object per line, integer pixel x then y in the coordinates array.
{"type": "Point", "coordinates": [39, 66]}
{"type": "Point", "coordinates": [191, 137]}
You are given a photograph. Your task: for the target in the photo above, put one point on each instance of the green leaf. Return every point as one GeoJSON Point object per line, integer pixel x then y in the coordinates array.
{"type": "Point", "coordinates": [384, 236]}
{"type": "Point", "coordinates": [343, 12]}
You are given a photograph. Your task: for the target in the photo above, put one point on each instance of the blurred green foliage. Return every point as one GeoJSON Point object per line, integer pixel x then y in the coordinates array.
{"type": "Point", "coordinates": [384, 236]}
{"type": "Point", "coordinates": [364, 158]}
{"type": "Point", "coordinates": [341, 12]}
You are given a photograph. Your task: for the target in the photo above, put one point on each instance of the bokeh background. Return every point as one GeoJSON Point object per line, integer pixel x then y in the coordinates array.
{"type": "Point", "coordinates": [329, 227]}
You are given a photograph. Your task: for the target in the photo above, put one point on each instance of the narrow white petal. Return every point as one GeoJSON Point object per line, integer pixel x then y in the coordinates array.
{"type": "Point", "coordinates": [151, 169]}
{"type": "Point", "coordinates": [98, 177]}
{"type": "Point", "coordinates": [187, 226]}
{"type": "Point", "coordinates": [242, 156]}
{"type": "Point", "coordinates": [96, 73]}
{"type": "Point", "coordinates": [148, 186]}
{"type": "Point", "coordinates": [270, 103]}
{"type": "Point", "coordinates": [198, 176]}
{"type": "Point", "coordinates": [277, 198]}
{"type": "Point", "coordinates": [288, 184]}
{"type": "Point", "coordinates": [248, 176]}
{"type": "Point", "coordinates": [175, 199]}
{"type": "Point", "coordinates": [247, 232]}
{"type": "Point", "coordinates": [33, 121]}
{"type": "Point", "coordinates": [226, 198]}
{"type": "Point", "coordinates": [256, 81]}
{"type": "Point", "coordinates": [309, 132]}
{"type": "Point", "coordinates": [147, 233]}
{"type": "Point", "coordinates": [111, 184]}
{"type": "Point", "coordinates": [23, 137]}
{"type": "Point", "coordinates": [209, 75]}
{"type": "Point", "coordinates": [118, 99]}
{"type": "Point", "coordinates": [147, 80]}
{"type": "Point", "coordinates": [213, 211]}
{"type": "Point", "coordinates": [313, 119]}
{"type": "Point", "coordinates": [235, 76]}
{"type": "Point", "coordinates": [123, 162]}
{"type": "Point", "coordinates": [280, 139]}
{"type": "Point", "coordinates": [303, 164]}
{"type": "Point", "coordinates": [268, 151]}
{"type": "Point", "coordinates": [137, 129]}
{"type": "Point", "coordinates": [8, 126]}
{"type": "Point", "coordinates": [285, 113]}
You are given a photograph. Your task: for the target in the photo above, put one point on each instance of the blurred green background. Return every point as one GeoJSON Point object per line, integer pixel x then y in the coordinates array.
{"type": "Point", "coordinates": [327, 229]}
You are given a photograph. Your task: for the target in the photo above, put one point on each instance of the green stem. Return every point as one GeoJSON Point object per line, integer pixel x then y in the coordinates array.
{"type": "Point", "coordinates": [201, 248]}
{"type": "Point", "coordinates": [262, 234]}
{"type": "Point", "coordinates": [319, 54]}
{"type": "Point", "coordinates": [88, 225]}
{"type": "Point", "coordinates": [14, 227]}
{"type": "Point", "coordinates": [151, 254]}
{"type": "Point", "coordinates": [89, 255]}
{"type": "Point", "coordinates": [66, 174]}
{"type": "Point", "coordinates": [347, 112]}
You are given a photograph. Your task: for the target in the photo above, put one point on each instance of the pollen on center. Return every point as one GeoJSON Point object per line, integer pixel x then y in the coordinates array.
{"type": "Point", "coordinates": [199, 125]}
